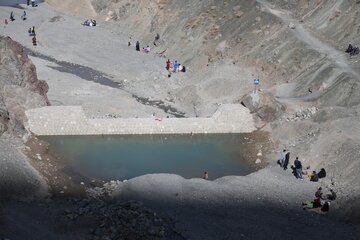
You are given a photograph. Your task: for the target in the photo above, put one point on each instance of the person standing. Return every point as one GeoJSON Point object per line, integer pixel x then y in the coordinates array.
{"type": "Point", "coordinates": [23, 16]}
{"type": "Point", "coordinates": [282, 158]}
{"type": "Point", "coordinates": [129, 42]}
{"type": "Point", "coordinates": [298, 168]}
{"type": "Point", "coordinates": [34, 41]}
{"type": "Point", "coordinates": [206, 175]}
{"type": "Point", "coordinates": [168, 62]}
{"type": "Point", "coordinates": [287, 158]}
{"type": "Point", "coordinates": [28, 2]}
{"type": "Point", "coordinates": [12, 16]}
{"type": "Point", "coordinates": [137, 47]}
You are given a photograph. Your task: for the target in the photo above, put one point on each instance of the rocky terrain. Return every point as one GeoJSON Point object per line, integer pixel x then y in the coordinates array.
{"type": "Point", "coordinates": [308, 101]}
{"type": "Point", "coordinates": [297, 50]}
{"type": "Point", "coordinates": [20, 89]}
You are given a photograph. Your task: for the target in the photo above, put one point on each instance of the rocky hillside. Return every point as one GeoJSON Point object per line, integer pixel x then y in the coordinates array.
{"type": "Point", "coordinates": [19, 86]}
{"type": "Point", "coordinates": [297, 50]}
{"type": "Point", "coordinates": [19, 90]}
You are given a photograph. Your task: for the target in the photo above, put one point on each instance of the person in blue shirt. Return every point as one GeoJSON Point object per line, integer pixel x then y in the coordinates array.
{"type": "Point", "coordinates": [176, 65]}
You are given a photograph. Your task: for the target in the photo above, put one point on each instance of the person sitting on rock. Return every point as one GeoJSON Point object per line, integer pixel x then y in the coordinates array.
{"type": "Point", "coordinates": [316, 203]}
{"type": "Point", "coordinates": [314, 177]}
{"type": "Point", "coordinates": [325, 207]}
{"type": "Point", "coordinates": [175, 67]}
{"type": "Point", "coordinates": [86, 23]}
{"type": "Point", "coordinates": [206, 175]}
{"type": "Point", "coordinates": [349, 49]}
{"type": "Point", "coordinates": [33, 3]}
{"type": "Point", "coordinates": [318, 193]}
{"type": "Point", "coordinates": [180, 68]}
{"type": "Point", "coordinates": [184, 69]}
{"type": "Point", "coordinates": [322, 173]}
{"type": "Point", "coordinates": [331, 196]}
{"type": "Point", "coordinates": [355, 51]}
{"type": "Point", "coordinates": [147, 49]}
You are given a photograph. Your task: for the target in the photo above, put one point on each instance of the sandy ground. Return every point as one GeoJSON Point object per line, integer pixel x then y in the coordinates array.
{"type": "Point", "coordinates": [263, 205]}
{"type": "Point", "coordinates": [77, 8]}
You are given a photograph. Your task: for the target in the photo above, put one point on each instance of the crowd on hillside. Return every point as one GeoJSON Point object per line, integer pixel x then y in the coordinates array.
{"type": "Point", "coordinates": [321, 202]}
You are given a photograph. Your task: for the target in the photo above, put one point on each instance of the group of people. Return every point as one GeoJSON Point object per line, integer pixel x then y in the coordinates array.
{"type": "Point", "coordinates": [89, 23]}
{"type": "Point", "coordinates": [32, 34]}
{"type": "Point", "coordinates": [171, 66]}
{"type": "Point", "coordinates": [33, 3]}
{"type": "Point", "coordinates": [146, 49]}
{"type": "Point", "coordinates": [352, 50]}
{"type": "Point", "coordinates": [321, 201]}
{"type": "Point", "coordinates": [12, 16]}
{"type": "Point", "coordinates": [297, 168]}
{"type": "Point", "coordinates": [174, 67]}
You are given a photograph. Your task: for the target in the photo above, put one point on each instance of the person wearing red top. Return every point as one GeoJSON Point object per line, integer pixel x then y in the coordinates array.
{"type": "Point", "coordinates": [34, 41]}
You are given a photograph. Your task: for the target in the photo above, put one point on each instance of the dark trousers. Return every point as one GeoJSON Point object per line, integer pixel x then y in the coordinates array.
{"type": "Point", "coordinates": [286, 163]}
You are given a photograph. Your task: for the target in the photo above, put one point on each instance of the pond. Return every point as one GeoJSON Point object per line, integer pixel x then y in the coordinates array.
{"type": "Point", "coordinates": [124, 157]}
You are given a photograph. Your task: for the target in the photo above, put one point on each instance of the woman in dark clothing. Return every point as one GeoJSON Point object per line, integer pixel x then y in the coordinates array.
{"type": "Point", "coordinates": [322, 173]}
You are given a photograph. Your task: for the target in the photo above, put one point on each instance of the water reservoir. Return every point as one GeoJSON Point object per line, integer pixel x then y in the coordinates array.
{"type": "Point", "coordinates": [127, 156]}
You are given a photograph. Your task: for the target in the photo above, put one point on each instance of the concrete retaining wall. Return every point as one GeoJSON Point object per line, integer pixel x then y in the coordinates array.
{"type": "Point", "coordinates": [71, 120]}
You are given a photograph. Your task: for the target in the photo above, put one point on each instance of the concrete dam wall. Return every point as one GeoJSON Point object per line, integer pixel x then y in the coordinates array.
{"type": "Point", "coordinates": [71, 120]}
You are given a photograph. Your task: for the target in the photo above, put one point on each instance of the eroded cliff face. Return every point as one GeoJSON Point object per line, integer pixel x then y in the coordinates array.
{"type": "Point", "coordinates": [20, 88]}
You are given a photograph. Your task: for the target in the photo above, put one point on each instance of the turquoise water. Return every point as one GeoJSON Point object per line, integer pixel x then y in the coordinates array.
{"type": "Point", "coordinates": [125, 157]}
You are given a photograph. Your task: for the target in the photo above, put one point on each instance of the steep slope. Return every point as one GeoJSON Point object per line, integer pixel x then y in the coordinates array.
{"type": "Point", "coordinates": [19, 90]}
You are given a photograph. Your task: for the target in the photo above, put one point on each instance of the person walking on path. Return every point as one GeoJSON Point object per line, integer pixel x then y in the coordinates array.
{"type": "Point", "coordinates": [298, 168]}
{"type": "Point", "coordinates": [129, 42]}
{"type": "Point", "coordinates": [28, 2]}
{"type": "Point", "coordinates": [6, 22]}
{"type": "Point", "coordinates": [137, 47]}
